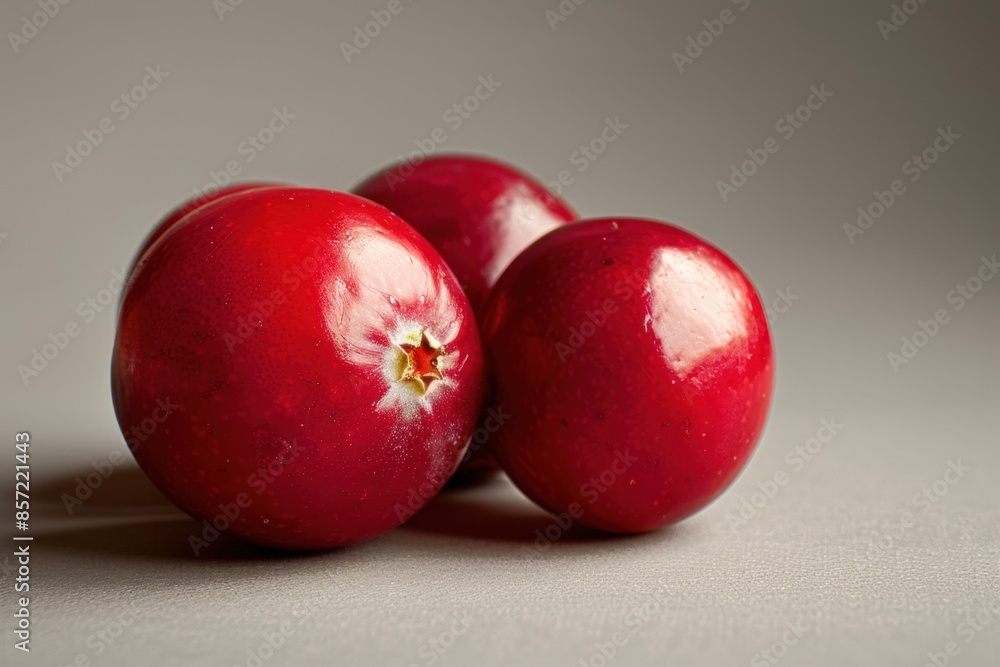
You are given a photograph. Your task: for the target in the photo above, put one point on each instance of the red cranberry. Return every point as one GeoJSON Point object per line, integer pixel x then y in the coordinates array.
{"type": "Point", "coordinates": [636, 362]}
{"type": "Point", "coordinates": [324, 363]}
{"type": "Point", "coordinates": [479, 214]}
{"type": "Point", "coordinates": [193, 204]}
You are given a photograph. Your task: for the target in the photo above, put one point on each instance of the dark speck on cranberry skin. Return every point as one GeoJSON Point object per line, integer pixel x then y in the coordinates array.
{"type": "Point", "coordinates": [669, 343]}
{"type": "Point", "coordinates": [178, 215]}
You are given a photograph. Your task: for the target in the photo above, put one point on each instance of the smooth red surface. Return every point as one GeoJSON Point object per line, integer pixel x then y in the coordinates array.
{"type": "Point", "coordinates": [275, 319]}
{"type": "Point", "coordinates": [479, 214]}
{"type": "Point", "coordinates": [174, 216]}
{"type": "Point", "coordinates": [636, 364]}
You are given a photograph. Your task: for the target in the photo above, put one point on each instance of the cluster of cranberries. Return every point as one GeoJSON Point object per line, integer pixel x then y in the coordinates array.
{"type": "Point", "coordinates": [331, 355]}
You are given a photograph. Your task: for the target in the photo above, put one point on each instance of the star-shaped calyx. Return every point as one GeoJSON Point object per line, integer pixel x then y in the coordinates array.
{"type": "Point", "coordinates": [420, 362]}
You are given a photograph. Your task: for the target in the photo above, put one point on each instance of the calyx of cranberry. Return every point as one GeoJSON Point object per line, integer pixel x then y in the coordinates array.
{"type": "Point", "coordinates": [420, 361]}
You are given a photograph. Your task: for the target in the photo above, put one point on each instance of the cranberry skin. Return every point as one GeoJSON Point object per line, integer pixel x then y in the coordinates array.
{"type": "Point", "coordinates": [177, 214]}
{"type": "Point", "coordinates": [478, 213]}
{"type": "Point", "coordinates": [325, 363]}
{"type": "Point", "coordinates": [636, 363]}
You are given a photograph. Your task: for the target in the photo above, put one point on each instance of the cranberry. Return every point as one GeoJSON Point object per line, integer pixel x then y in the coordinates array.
{"type": "Point", "coordinates": [193, 204]}
{"type": "Point", "coordinates": [636, 364]}
{"type": "Point", "coordinates": [479, 214]}
{"type": "Point", "coordinates": [318, 363]}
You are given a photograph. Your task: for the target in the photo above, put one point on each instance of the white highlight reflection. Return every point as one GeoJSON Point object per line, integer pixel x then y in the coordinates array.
{"type": "Point", "coordinates": [695, 308]}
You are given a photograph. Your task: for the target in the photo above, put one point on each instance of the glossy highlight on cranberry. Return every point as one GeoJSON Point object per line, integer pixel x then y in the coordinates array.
{"type": "Point", "coordinates": [324, 364]}
{"type": "Point", "coordinates": [479, 213]}
{"type": "Point", "coordinates": [637, 366]}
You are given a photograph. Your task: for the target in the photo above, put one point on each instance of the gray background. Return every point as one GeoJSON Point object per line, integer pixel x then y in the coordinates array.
{"type": "Point", "coordinates": [461, 585]}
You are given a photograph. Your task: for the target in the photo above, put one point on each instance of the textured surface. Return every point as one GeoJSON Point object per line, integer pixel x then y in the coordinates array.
{"type": "Point", "coordinates": [840, 303]}
{"type": "Point", "coordinates": [708, 591]}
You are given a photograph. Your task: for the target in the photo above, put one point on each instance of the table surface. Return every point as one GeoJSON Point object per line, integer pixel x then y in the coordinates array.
{"type": "Point", "coordinates": [882, 544]}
